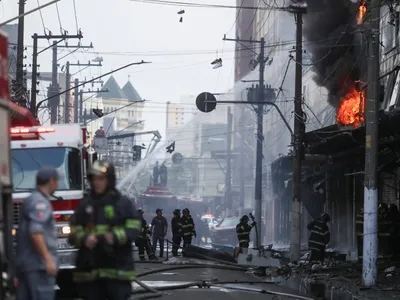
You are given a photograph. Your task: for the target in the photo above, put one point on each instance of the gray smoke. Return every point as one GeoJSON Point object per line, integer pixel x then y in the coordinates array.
{"type": "Point", "coordinates": [324, 23]}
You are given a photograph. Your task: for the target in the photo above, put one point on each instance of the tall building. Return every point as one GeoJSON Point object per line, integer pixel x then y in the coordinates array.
{"type": "Point", "coordinates": [244, 30]}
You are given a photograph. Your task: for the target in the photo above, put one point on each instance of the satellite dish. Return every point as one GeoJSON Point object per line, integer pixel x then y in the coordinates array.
{"type": "Point", "coordinates": [177, 158]}
{"type": "Point", "coordinates": [202, 105]}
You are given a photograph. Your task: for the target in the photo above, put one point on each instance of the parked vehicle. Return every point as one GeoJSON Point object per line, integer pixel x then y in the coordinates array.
{"type": "Point", "coordinates": [224, 233]}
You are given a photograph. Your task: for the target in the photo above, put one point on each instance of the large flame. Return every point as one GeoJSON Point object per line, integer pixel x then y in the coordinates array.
{"type": "Point", "coordinates": [361, 13]}
{"type": "Point", "coordinates": [351, 108]}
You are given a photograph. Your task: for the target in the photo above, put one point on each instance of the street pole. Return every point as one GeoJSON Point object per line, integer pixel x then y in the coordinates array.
{"type": "Point", "coordinates": [54, 89]}
{"type": "Point", "coordinates": [19, 80]}
{"type": "Point", "coordinates": [260, 140]}
{"type": "Point", "coordinates": [34, 74]}
{"type": "Point", "coordinates": [297, 144]}
{"type": "Point", "coordinates": [34, 107]}
{"type": "Point", "coordinates": [76, 100]}
{"type": "Point", "coordinates": [67, 94]}
{"type": "Point", "coordinates": [228, 173]}
{"type": "Point", "coordinates": [370, 241]}
{"type": "Point", "coordinates": [81, 116]}
{"type": "Point", "coordinates": [241, 165]}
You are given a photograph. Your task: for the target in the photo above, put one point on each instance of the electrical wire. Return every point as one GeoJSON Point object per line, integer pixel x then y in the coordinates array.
{"type": "Point", "coordinates": [76, 17]}
{"type": "Point", "coordinates": [200, 5]}
{"type": "Point", "coordinates": [59, 19]}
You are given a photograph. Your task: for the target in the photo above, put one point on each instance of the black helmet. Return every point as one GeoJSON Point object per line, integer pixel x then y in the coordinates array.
{"type": "Point", "coordinates": [177, 212]}
{"type": "Point", "coordinates": [158, 210]}
{"type": "Point", "coordinates": [140, 211]}
{"type": "Point", "coordinates": [325, 217]}
{"type": "Point", "coordinates": [186, 210]}
{"type": "Point", "coordinates": [102, 167]}
{"type": "Point", "coordinates": [244, 219]}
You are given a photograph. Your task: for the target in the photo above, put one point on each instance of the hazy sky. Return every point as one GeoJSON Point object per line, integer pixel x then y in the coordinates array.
{"type": "Point", "coordinates": [124, 31]}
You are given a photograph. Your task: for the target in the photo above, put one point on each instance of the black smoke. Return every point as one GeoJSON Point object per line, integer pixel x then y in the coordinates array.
{"type": "Point", "coordinates": [337, 64]}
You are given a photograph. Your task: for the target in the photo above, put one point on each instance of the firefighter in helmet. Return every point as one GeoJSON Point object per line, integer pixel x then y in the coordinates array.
{"type": "Point", "coordinates": [188, 228]}
{"type": "Point", "coordinates": [177, 231]}
{"type": "Point", "coordinates": [103, 228]}
{"type": "Point", "coordinates": [243, 231]}
{"type": "Point", "coordinates": [142, 241]}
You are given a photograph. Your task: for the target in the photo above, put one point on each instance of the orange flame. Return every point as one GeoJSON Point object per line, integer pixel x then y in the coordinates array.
{"type": "Point", "coordinates": [351, 108]}
{"type": "Point", "coordinates": [361, 13]}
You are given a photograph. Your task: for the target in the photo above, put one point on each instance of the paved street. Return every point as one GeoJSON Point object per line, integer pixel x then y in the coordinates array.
{"type": "Point", "coordinates": [175, 277]}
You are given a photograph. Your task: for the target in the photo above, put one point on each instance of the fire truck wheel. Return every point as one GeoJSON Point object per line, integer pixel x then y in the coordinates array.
{"type": "Point", "coordinates": [67, 287]}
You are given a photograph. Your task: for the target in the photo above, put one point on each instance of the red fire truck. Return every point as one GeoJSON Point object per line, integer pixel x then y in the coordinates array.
{"type": "Point", "coordinates": [60, 146]}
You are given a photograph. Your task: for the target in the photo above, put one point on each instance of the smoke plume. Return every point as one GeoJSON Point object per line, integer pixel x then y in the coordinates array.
{"type": "Point", "coordinates": [336, 62]}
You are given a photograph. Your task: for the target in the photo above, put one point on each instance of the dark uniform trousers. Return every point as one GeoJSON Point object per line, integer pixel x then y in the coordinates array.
{"type": "Point", "coordinates": [176, 240]}
{"type": "Point", "coordinates": [188, 231]}
{"type": "Point", "coordinates": [105, 290]}
{"type": "Point", "coordinates": [318, 239]}
{"type": "Point", "coordinates": [143, 244]}
{"type": "Point", "coordinates": [35, 286]}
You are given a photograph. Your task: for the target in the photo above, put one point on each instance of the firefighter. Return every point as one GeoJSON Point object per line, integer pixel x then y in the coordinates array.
{"type": "Point", "coordinates": [319, 237]}
{"type": "Point", "coordinates": [243, 231]}
{"type": "Point", "coordinates": [103, 228]}
{"type": "Point", "coordinates": [142, 241]}
{"type": "Point", "coordinates": [360, 233]}
{"type": "Point", "coordinates": [177, 232]}
{"type": "Point", "coordinates": [384, 231]}
{"type": "Point", "coordinates": [394, 219]}
{"type": "Point", "coordinates": [188, 228]}
{"type": "Point", "coordinates": [159, 227]}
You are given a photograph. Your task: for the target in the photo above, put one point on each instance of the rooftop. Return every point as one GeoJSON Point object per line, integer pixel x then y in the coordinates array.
{"type": "Point", "coordinates": [115, 92]}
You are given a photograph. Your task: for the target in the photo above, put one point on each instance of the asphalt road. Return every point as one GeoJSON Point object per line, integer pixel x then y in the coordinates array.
{"type": "Point", "coordinates": [218, 291]}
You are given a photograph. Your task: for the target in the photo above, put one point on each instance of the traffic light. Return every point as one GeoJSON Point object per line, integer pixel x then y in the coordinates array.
{"type": "Point", "coordinates": [98, 112]}
{"type": "Point", "coordinates": [137, 152]}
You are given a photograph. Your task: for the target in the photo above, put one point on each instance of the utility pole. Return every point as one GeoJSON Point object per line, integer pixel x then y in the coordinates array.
{"type": "Point", "coordinates": [260, 137]}
{"type": "Point", "coordinates": [228, 175]}
{"type": "Point", "coordinates": [54, 88]}
{"type": "Point", "coordinates": [370, 241]}
{"type": "Point", "coordinates": [19, 86]}
{"type": "Point", "coordinates": [34, 74]}
{"type": "Point", "coordinates": [76, 100]}
{"type": "Point", "coordinates": [67, 94]}
{"type": "Point", "coordinates": [80, 100]}
{"type": "Point", "coordinates": [35, 55]}
{"type": "Point", "coordinates": [241, 165]}
{"type": "Point", "coordinates": [299, 8]}
{"type": "Point", "coordinates": [76, 84]}
{"type": "Point", "coordinates": [260, 142]}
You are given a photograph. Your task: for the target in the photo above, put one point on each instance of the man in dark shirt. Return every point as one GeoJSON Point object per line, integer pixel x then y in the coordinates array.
{"type": "Point", "coordinates": [159, 227]}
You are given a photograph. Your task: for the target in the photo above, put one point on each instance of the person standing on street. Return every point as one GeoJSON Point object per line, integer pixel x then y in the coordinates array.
{"type": "Point", "coordinates": [103, 228]}
{"type": "Point", "coordinates": [36, 260]}
{"type": "Point", "coordinates": [159, 226]}
{"type": "Point", "coordinates": [177, 233]}
{"type": "Point", "coordinates": [188, 228]}
{"type": "Point", "coordinates": [142, 241]}
{"type": "Point", "coordinates": [319, 238]}
{"type": "Point", "coordinates": [243, 232]}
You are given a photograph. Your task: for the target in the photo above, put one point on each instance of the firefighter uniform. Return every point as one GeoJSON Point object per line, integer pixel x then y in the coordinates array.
{"type": "Point", "coordinates": [243, 231]}
{"type": "Point", "coordinates": [177, 232]}
{"type": "Point", "coordinates": [394, 219]}
{"type": "Point", "coordinates": [360, 233]}
{"type": "Point", "coordinates": [188, 228]}
{"type": "Point", "coordinates": [106, 270]}
{"type": "Point", "coordinates": [319, 237]}
{"type": "Point", "coordinates": [142, 241]}
{"type": "Point", "coordinates": [384, 231]}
